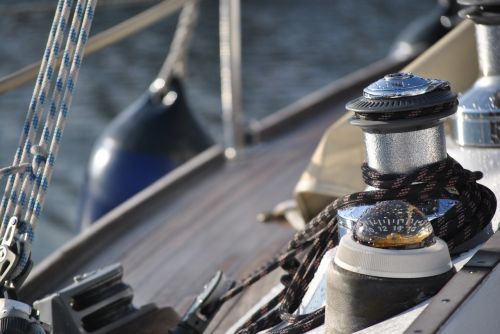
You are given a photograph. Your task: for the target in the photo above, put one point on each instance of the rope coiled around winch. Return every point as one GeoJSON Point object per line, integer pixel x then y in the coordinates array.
{"type": "Point", "coordinates": [447, 178]}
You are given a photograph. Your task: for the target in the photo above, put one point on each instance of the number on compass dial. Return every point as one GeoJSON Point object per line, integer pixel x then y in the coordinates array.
{"type": "Point", "coordinates": [394, 225]}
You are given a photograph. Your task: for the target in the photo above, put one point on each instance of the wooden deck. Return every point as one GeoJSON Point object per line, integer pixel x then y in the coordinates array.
{"type": "Point", "coordinates": [177, 241]}
{"type": "Point", "coordinates": [174, 236]}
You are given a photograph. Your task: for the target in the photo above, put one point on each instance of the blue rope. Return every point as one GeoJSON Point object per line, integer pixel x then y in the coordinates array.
{"type": "Point", "coordinates": [23, 148]}
{"type": "Point", "coordinates": [33, 164]}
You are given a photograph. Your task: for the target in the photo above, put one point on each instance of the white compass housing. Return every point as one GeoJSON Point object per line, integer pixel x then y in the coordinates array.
{"type": "Point", "coordinates": [393, 263]}
{"type": "Point", "coordinates": [393, 239]}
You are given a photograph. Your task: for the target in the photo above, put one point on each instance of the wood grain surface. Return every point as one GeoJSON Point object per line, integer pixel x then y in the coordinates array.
{"type": "Point", "coordinates": [178, 240]}
{"type": "Point", "coordinates": [173, 236]}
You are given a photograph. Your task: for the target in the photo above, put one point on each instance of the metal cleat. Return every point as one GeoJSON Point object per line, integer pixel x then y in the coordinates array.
{"type": "Point", "coordinates": [205, 306]}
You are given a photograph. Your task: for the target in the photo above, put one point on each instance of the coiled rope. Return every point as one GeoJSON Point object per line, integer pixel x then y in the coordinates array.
{"type": "Point", "coordinates": [473, 212]}
{"type": "Point", "coordinates": [31, 170]}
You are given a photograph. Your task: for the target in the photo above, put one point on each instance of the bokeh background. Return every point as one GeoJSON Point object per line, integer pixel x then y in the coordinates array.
{"type": "Point", "coordinates": [290, 49]}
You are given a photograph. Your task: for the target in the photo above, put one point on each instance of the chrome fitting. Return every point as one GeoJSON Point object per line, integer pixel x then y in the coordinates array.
{"type": "Point", "coordinates": [17, 317]}
{"type": "Point", "coordinates": [402, 117]}
{"type": "Point", "coordinates": [477, 122]}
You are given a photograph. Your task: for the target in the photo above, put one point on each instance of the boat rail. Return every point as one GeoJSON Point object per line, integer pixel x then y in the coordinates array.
{"type": "Point", "coordinates": [230, 58]}
{"type": "Point", "coordinates": [230, 72]}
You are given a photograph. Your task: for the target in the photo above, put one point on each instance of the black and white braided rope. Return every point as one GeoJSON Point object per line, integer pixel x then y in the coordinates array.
{"type": "Point", "coordinates": [476, 207]}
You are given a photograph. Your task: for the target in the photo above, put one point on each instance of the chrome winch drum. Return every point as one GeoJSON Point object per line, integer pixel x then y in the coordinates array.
{"type": "Point", "coordinates": [397, 145]}
{"type": "Point", "coordinates": [477, 122]}
{"type": "Point", "coordinates": [388, 143]}
{"type": "Point", "coordinates": [394, 143]}
{"type": "Point", "coordinates": [388, 258]}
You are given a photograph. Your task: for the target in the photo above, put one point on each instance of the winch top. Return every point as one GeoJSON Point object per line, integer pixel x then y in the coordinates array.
{"type": "Point", "coordinates": [403, 100]}
{"type": "Point", "coordinates": [397, 85]}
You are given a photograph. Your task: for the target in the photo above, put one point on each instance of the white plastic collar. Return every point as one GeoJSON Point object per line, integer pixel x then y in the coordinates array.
{"type": "Point", "coordinates": [412, 263]}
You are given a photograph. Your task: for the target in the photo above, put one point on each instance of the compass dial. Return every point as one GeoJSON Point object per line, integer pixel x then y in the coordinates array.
{"type": "Point", "coordinates": [394, 225]}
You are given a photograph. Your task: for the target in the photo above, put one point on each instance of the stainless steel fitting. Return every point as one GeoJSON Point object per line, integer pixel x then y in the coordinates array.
{"type": "Point", "coordinates": [400, 146]}
{"type": "Point", "coordinates": [17, 317]}
{"type": "Point", "coordinates": [477, 122]}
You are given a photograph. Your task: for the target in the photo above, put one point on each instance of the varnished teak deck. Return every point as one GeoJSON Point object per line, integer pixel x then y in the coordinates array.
{"type": "Point", "coordinates": [174, 237]}
{"type": "Point", "coordinates": [181, 239]}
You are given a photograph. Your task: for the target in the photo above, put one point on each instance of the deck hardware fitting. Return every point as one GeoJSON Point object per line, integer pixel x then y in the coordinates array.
{"type": "Point", "coordinates": [205, 306]}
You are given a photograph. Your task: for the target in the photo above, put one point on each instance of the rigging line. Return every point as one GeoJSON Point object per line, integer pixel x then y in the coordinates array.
{"type": "Point", "coordinates": [101, 40]}
{"type": "Point", "coordinates": [17, 169]}
{"type": "Point", "coordinates": [34, 180]}
{"type": "Point", "coordinates": [65, 105]}
{"type": "Point", "coordinates": [19, 187]}
{"type": "Point", "coordinates": [47, 60]}
{"type": "Point", "coordinates": [44, 154]}
{"type": "Point", "coordinates": [37, 6]}
{"type": "Point", "coordinates": [24, 167]}
{"type": "Point", "coordinates": [50, 123]}
{"type": "Point", "coordinates": [175, 63]}
{"type": "Point", "coordinates": [37, 198]}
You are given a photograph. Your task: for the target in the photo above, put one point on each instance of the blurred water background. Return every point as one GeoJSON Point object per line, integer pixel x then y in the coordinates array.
{"type": "Point", "coordinates": [290, 48]}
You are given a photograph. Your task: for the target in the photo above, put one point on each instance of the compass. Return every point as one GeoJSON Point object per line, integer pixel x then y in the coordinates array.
{"type": "Point", "coordinates": [394, 225]}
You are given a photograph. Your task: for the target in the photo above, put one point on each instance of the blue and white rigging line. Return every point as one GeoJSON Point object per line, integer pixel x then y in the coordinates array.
{"type": "Point", "coordinates": [31, 171]}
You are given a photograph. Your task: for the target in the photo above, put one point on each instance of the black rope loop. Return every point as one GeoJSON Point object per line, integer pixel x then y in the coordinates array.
{"type": "Point", "coordinates": [476, 205]}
